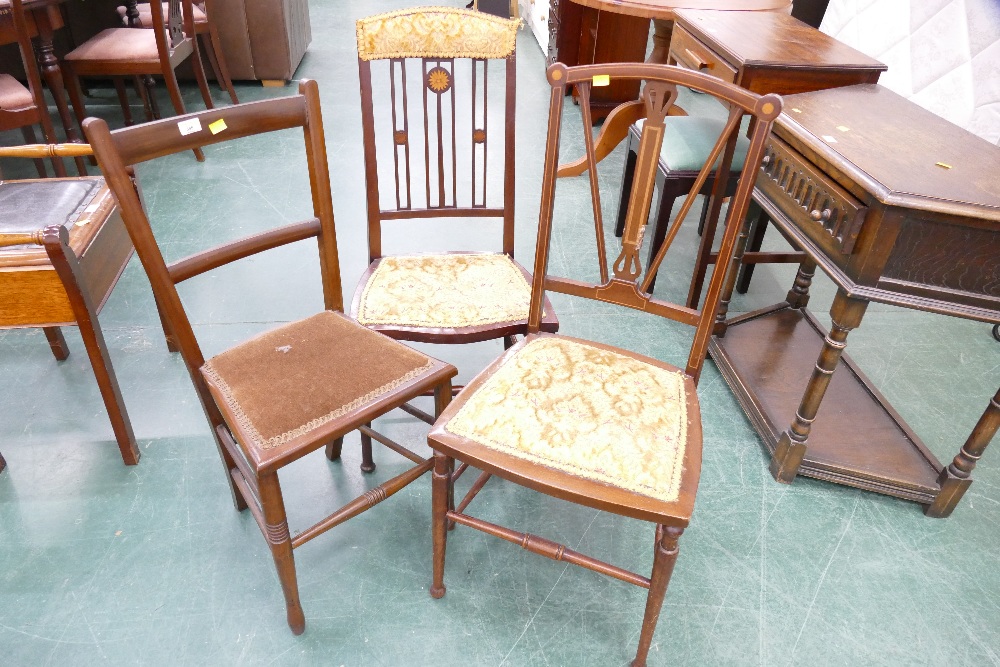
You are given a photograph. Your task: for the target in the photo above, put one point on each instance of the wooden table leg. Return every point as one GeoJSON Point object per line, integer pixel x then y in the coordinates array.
{"type": "Point", "coordinates": [616, 125]}
{"type": "Point", "coordinates": [955, 479]}
{"type": "Point", "coordinates": [49, 64]}
{"type": "Point", "coordinates": [65, 263]}
{"type": "Point", "coordinates": [846, 314]}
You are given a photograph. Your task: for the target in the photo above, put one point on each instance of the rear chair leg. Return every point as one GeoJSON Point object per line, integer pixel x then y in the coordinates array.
{"type": "Point", "coordinates": [367, 462]}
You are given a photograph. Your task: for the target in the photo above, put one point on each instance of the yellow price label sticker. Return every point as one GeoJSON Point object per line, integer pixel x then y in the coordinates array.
{"type": "Point", "coordinates": [602, 80]}
{"type": "Point", "coordinates": [217, 126]}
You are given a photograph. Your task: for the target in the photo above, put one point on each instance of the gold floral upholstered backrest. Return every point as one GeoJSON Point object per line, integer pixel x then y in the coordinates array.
{"type": "Point", "coordinates": [438, 117]}
{"type": "Point", "coordinates": [436, 32]}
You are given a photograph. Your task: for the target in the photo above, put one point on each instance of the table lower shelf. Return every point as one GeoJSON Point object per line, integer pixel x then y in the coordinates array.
{"type": "Point", "coordinates": [857, 439]}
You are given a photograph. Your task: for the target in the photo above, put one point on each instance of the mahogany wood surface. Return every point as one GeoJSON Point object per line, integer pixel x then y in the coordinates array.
{"type": "Point", "coordinates": [625, 282]}
{"type": "Point", "coordinates": [898, 206]}
{"type": "Point", "coordinates": [252, 472]}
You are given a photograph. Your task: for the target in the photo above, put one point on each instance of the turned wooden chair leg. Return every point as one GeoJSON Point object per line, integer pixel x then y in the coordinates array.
{"type": "Point", "coordinates": [140, 89]}
{"type": "Point", "coordinates": [441, 494]}
{"type": "Point", "coordinates": [367, 462]}
{"type": "Point", "coordinates": [334, 447]}
{"type": "Point", "coordinates": [663, 566]}
{"type": "Point", "coordinates": [123, 101]}
{"type": "Point", "coordinates": [57, 343]}
{"type": "Point", "coordinates": [280, 543]}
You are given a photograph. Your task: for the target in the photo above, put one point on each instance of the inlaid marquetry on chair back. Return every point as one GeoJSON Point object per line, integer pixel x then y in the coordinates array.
{"type": "Point", "coordinates": [624, 281]}
{"type": "Point", "coordinates": [435, 117]}
{"type": "Point", "coordinates": [437, 113]}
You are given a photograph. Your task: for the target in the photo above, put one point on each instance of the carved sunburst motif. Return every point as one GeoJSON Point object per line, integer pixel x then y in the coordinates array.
{"type": "Point", "coordinates": [438, 80]}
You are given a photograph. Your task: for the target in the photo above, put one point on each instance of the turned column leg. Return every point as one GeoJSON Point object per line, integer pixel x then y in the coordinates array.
{"type": "Point", "coordinates": [49, 64]}
{"type": "Point", "coordinates": [441, 494]}
{"type": "Point", "coordinates": [798, 296]}
{"type": "Point", "coordinates": [280, 542]}
{"type": "Point", "coordinates": [730, 284]}
{"type": "Point", "coordinates": [956, 478]}
{"type": "Point", "coordinates": [846, 313]}
{"type": "Point", "coordinates": [663, 566]}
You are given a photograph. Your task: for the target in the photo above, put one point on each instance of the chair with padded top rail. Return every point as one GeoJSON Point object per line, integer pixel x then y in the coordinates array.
{"type": "Point", "coordinates": [438, 92]}
{"type": "Point", "coordinates": [296, 388]}
{"type": "Point", "coordinates": [586, 422]}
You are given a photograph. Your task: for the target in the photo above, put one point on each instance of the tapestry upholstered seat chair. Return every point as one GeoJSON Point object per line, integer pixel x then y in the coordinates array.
{"type": "Point", "coordinates": [204, 27]}
{"type": "Point", "coordinates": [438, 132]}
{"type": "Point", "coordinates": [21, 107]}
{"type": "Point", "coordinates": [140, 52]}
{"type": "Point", "coordinates": [586, 422]}
{"type": "Point", "coordinates": [297, 388]}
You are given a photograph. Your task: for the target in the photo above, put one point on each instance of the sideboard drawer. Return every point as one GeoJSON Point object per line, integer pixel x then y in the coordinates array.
{"type": "Point", "coordinates": [824, 211]}
{"type": "Point", "coordinates": [688, 52]}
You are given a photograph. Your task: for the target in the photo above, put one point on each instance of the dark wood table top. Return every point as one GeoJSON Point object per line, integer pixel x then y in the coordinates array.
{"type": "Point", "coordinates": [897, 151]}
{"type": "Point", "coordinates": [664, 9]}
{"type": "Point", "coordinates": [771, 39]}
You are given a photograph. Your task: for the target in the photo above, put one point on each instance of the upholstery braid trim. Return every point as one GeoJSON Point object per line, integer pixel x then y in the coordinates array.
{"type": "Point", "coordinates": [261, 443]}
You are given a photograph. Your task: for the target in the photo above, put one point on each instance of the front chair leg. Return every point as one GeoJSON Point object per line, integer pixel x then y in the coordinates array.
{"type": "Point", "coordinates": [440, 497]}
{"type": "Point", "coordinates": [334, 447]}
{"type": "Point", "coordinates": [663, 566]}
{"type": "Point", "coordinates": [280, 542]}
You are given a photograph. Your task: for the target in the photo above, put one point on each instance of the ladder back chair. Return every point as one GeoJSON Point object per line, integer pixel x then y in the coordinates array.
{"type": "Point", "coordinates": [204, 27]}
{"type": "Point", "coordinates": [20, 107]}
{"type": "Point", "coordinates": [141, 52]}
{"type": "Point", "coordinates": [444, 109]}
{"type": "Point", "coordinates": [586, 422]}
{"type": "Point", "coordinates": [297, 388]}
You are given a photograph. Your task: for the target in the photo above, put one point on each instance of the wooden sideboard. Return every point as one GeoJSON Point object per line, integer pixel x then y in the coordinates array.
{"type": "Point", "coordinates": [897, 206]}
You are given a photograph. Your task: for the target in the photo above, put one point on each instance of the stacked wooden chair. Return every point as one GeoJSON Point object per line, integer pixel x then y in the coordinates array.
{"type": "Point", "coordinates": [300, 387]}
{"type": "Point", "coordinates": [118, 53]}
{"type": "Point", "coordinates": [586, 422]}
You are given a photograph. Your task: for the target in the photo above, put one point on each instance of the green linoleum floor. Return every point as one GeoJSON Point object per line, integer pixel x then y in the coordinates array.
{"type": "Point", "coordinates": [104, 564]}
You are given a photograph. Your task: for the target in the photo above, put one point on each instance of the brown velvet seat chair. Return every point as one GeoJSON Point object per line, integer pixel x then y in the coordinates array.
{"type": "Point", "coordinates": [297, 388]}
{"type": "Point", "coordinates": [204, 27]}
{"type": "Point", "coordinates": [438, 128]}
{"type": "Point", "coordinates": [586, 422]}
{"type": "Point", "coordinates": [130, 52]}
{"type": "Point", "coordinates": [20, 107]}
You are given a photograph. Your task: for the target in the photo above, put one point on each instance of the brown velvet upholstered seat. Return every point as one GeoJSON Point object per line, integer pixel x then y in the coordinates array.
{"type": "Point", "coordinates": [422, 72]}
{"type": "Point", "coordinates": [117, 53]}
{"type": "Point", "coordinates": [277, 386]}
{"type": "Point", "coordinates": [297, 388]}
{"type": "Point", "coordinates": [601, 426]}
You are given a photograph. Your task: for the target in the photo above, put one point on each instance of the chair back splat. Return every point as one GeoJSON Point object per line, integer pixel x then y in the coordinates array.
{"type": "Point", "coordinates": [299, 387]}
{"type": "Point", "coordinates": [437, 114]}
{"type": "Point", "coordinates": [629, 282]}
